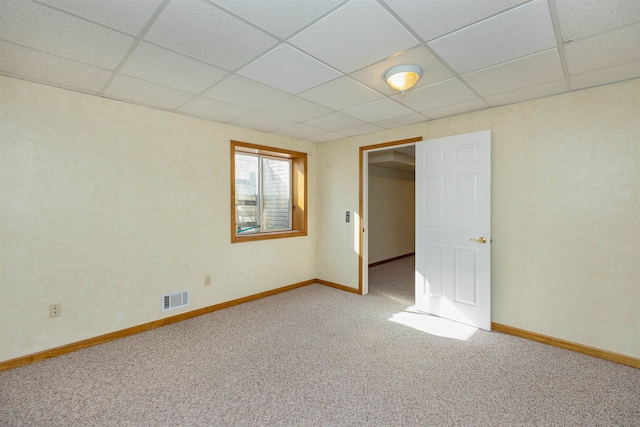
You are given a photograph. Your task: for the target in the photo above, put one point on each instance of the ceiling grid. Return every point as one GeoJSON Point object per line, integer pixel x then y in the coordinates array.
{"type": "Point", "coordinates": [314, 70]}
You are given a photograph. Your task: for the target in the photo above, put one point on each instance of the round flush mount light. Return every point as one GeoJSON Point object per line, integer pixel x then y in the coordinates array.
{"type": "Point", "coordinates": [403, 77]}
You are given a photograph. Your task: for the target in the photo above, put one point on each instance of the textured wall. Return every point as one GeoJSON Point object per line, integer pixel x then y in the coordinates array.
{"type": "Point", "coordinates": [391, 213]}
{"type": "Point", "coordinates": [105, 206]}
{"type": "Point", "coordinates": [565, 212]}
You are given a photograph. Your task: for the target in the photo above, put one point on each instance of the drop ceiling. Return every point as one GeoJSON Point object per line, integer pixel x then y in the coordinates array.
{"type": "Point", "coordinates": [312, 69]}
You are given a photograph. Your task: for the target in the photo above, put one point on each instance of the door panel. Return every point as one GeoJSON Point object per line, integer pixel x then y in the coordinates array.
{"type": "Point", "coordinates": [433, 197]}
{"type": "Point", "coordinates": [434, 263]}
{"type": "Point", "coordinates": [466, 204]}
{"type": "Point", "coordinates": [453, 207]}
{"type": "Point", "coordinates": [465, 276]}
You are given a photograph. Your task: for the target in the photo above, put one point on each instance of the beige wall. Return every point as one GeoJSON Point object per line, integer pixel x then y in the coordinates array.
{"type": "Point", "coordinates": [565, 212]}
{"type": "Point", "coordinates": [391, 213]}
{"type": "Point", "coordinates": [105, 206]}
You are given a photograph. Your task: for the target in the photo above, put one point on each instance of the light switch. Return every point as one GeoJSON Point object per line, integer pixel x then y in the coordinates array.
{"type": "Point", "coordinates": [347, 217]}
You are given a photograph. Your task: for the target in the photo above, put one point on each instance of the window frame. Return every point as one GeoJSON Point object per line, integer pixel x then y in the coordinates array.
{"type": "Point", "coordinates": [298, 191]}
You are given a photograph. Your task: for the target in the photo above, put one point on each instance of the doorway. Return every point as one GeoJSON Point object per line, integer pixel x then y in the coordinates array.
{"type": "Point", "coordinates": [391, 161]}
{"type": "Point", "coordinates": [453, 265]}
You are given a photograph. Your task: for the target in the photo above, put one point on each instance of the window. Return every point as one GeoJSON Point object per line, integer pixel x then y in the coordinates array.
{"type": "Point", "coordinates": [268, 192]}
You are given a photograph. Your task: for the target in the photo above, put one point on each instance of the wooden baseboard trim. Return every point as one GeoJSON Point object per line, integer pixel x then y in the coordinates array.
{"type": "Point", "coordinates": [338, 286]}
{"type": "Point", "coordinates": [384, 261]}
{"type": "Point", "coordinates": [90, 342]}
{"type": "Point", "coordinates": [568, 345]}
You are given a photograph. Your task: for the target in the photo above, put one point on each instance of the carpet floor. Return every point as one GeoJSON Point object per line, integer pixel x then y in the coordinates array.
{"type": "Point", "coordinates": [317, 356]}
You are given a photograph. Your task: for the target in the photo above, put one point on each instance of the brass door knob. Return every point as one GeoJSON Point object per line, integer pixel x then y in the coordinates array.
{"type": "Point", "coordinates": [481, 240]}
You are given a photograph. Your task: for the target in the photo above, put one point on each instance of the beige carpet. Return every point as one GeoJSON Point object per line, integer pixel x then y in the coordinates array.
{"type": "Point", "coordinates": [317, 356]}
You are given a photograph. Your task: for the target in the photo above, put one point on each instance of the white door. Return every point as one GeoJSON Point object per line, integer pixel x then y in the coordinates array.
{"type": "Point", "coordinates": [453, 228]}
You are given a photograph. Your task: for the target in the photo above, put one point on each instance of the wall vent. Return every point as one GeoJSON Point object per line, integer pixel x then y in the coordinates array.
{"type": "Point", "coordinates": [175, 300]}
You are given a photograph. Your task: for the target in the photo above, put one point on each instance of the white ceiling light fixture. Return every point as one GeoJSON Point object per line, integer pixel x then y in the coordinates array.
{"type": "Point", "coordinates": [403, 77]}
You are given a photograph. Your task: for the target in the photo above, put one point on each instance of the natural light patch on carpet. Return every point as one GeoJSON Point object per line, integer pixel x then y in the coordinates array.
{"type": "Point", "coordinates": [393, 297]}
{"type": "Point", "coordinates": [433, 325]}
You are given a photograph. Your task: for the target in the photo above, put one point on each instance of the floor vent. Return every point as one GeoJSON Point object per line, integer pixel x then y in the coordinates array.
{"type": "Point", "coordinates": [175, 300]}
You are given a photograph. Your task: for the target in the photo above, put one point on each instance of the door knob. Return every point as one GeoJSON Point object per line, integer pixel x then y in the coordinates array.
{"type": "Point", "coordinates": [481, 240]}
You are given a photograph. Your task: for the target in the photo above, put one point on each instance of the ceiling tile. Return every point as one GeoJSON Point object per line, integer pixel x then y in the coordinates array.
{"type": "Point", "coordinates": [527, 71]}
{"type": "Point", "coordinates": [298, 109]}
{"type": "Point", "coordinates": [331, 136]}
{"type": "Point", "coordinates": [243, 92]}
{"type": "Point", "coordinates": [43, 67]}
{"type": "Point", "coordinates": [530, 92]}
{"type": "Point", "coordinates": [283, 17]}
{"type": "Point", "coordinates": [129, 16]}
{"type": "Point", "coordinates": [606, 50]}
{"type": "Point", "coordinates": [586, 18]}
{"type": "Point", "coordinates": [289, 69]}
{"type": "Point", "coordinates": [433, 70]}
{"type": "Point", "coordinates": [299, 131]}
{"type": "Point", "coordinates": [213, 110]}
{"type": "Point", "coordinates": [381, 109]}
{"type": "Point", "coordinates": [606, 75]}
{"type": "Point", "coordinates": [335, 121]}
{"type": "Point", "coordinates": [341, 93]}
{"type": "Point", "coordinates": [262, 122]}
{"type": "Point", "coordinates": [397, 122]}
{"type": "Point", "coordinates": [48, 30]}
{"type": "Point", "coordinates": [435, 18]}
{"type": "Point", "coordinates": [354, 36]}
{"type": "Point", "coordinates": [459, 108]}
{"type": "Point", "coordinates": [158, 65]}
{"type": "Point", "coordinates": [436, 95]}
{"type": "Point", "coordinates": [361, 130]}
{"type": "Point", "coordinates": [513, 34]}
{"type": "Point", "coordinates": [146, 93]}
{"type": "Point", "coordinates": [198, 29]}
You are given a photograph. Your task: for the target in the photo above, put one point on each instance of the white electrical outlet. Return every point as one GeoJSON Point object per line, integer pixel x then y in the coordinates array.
{"type": "Point", "coordinates": [207, 280]}
{"type": "Point", "coordinates": [55, 310]}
